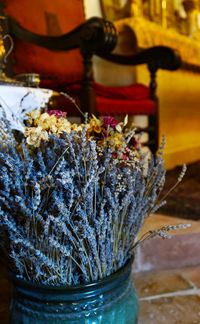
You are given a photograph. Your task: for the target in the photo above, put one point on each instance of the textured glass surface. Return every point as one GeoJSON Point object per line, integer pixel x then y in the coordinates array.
{"type": "Point", "coordinates": [110, 301]}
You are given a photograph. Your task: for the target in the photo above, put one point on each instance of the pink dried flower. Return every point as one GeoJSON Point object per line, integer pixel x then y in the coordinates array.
{"type": "Point", "coordinates": [109, 121]}
{"type": "Point", "coordinates": [57, 113]}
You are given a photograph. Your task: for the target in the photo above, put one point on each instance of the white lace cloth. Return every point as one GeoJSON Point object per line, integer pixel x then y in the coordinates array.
{"type": "Point", "coordinates": [16, 101]}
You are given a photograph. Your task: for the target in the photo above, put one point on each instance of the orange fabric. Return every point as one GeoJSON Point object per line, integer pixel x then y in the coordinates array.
{"type": "Point", "coordinates": [46, 17]}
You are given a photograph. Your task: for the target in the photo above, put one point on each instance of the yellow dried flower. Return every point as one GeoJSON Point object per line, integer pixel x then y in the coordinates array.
{"type": "Point", "coordinates": [115, 141]}
{"type": "Point", "coordinates": [45, 121]}
{"type": "Point", "coordinates": [32, 116]}
{"type": "Point", "coordinates": [34, 136]}
{"type": "Point", "coordinates": [78, 128]}
{"type": "Point", "coordinates": [63, 125]}
{"type": "Point", "coordinates": [53, 129]}
{"type": "Point", "coordinates": [94, 126]}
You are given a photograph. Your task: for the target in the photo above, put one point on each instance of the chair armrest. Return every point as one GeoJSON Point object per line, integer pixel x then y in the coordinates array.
{"type": "Point", "coordinates": [92, 35]}
{"type": "Point", "coordinates": [158, 57]}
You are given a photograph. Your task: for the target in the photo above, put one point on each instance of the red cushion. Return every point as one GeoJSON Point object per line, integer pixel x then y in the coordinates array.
{"type": "Point", "coordinates": [133, 99]}
{"type": "Point", "coordinates": [132, 92]}
{"type": "Point", "coordinates": [119, 106]}
{"type": "Point", "coordinates": [61, 84]}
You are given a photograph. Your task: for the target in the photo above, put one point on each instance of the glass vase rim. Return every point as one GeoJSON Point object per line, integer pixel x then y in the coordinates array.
{"type": "Point", "coordinates": [125, 269]}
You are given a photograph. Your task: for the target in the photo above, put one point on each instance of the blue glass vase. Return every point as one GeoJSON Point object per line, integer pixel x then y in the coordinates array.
{"type": "Point", "coordinates": [112, 300]}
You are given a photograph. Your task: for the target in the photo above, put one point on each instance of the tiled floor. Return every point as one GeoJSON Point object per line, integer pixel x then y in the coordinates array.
{"type": "Point", "coordinates": [169, 297]}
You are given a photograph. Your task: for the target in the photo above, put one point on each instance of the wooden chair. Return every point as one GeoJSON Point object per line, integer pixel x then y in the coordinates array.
{"type": "Point", "coordinates": [93, 36]}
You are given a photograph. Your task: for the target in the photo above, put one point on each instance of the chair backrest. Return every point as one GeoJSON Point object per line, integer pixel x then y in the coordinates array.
{"type": "Point", "coordinates": [50, 18]}
{"type": "Point", "coordinates": [71, 58]}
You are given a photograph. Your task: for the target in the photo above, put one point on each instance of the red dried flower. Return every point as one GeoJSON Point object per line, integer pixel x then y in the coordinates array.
{"type": "Point", "coordinates": [109, 121]}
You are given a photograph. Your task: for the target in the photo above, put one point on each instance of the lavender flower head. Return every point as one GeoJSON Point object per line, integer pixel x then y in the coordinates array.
{"type": "Point", "coordinates": [71, 204]}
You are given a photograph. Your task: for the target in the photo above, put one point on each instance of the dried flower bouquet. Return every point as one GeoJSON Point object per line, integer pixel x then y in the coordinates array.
{"type": "Point", "coordinates": [74, 197]}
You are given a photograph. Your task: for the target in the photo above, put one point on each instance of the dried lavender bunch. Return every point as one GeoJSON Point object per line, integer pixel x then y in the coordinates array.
{"type": "Point", "coordinates": [70, 207]}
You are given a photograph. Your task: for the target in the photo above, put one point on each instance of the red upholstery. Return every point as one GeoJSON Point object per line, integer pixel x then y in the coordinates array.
{"type": "Point", "coordinates": [133, 99]}
{"type": "Point", "coordinates": [119, 106]}
{"type": "Point", "coordinates": [132, 92]}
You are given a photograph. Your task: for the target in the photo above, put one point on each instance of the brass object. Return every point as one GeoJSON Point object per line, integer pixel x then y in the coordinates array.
{"type": "Point", "coordinates": [161, 12]}
{"type": "Point", "coordinates": [2, 54]}
{"type": "Point", "coordinates": [164, 13]}
{"type": "Point", "coordinates": [182, 16]}
{"type": "Point", "coordinates": [137, 8]}
{"type": "Point", "coordinates": [4, 80]}
{"type": "Point", "coordinates": [52, 100]}
{"type": "Point", "coordinates": [29, 79]}
{"type": "Point", "coordinates": [116, 9]}
{"type": "Point", "coordinates": [188, 49]}
{"type": "Point", "coordinates": [192, 9]}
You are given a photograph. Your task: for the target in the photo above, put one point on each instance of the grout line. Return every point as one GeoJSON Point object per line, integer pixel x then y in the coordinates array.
{"type": "Point", "coordinates": [193, 291]}
{"type": "Point", "coordinates": [190, 282]}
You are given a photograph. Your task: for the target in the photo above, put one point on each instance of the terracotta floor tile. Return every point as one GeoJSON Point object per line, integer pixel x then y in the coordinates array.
{"type": "Point", "coordinates": [179, 252]}
{"type": "Point", "coordinates": [159, 282]}
{"type": "Point", "coordinates": [193, 275]}
{"type": "Point", "coordinates": [173, 310]}
{"type": "Point", "coordinates": [157, 220]}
